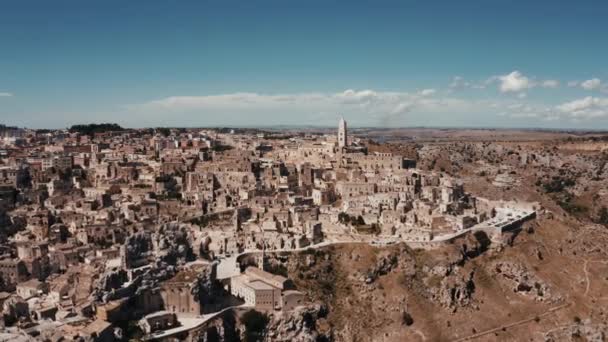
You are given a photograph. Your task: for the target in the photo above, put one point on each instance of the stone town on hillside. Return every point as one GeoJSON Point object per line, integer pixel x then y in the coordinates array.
{"type": "Point", "coordinates": [153, 226]}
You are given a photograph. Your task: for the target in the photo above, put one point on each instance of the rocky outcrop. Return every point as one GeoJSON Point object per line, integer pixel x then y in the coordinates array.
{"type": "Point", "coordinates": [387, 262]}
{"type": "Point", "coordinates": [172, 243]}
{"type": "Point", "coordinates": [112, 279]}
{"type": "Point", "coordinates": [223, 328]}
{"type": "Point", "coordinates": [473, 245]}
{"type": "Point", "coordinates": [452, 260]}
{"type": "Point", "coordinates": [454, 291]}
{"type": "Point", "coordinates": [384, 265]}
{"type": "Point", "coordinates": [300, 325]}
{"type": "Point", "coordinates": [137, 245]}
{"type": "Point", "coordinates": [579, 331]}
{"type": "Point", "coordinates": [206, 288]}
{"type": "Point", "coordinates": [521, 280]}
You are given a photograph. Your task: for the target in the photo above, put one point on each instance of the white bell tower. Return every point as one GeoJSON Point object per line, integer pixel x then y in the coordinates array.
{"type": "Point", "coordinates": [342, 133]}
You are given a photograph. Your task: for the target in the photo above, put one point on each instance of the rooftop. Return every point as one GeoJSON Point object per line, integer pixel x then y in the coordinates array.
{"type": "Point", "coordinates": [263, 275]}
{"type": "Point", "coordinates": [260, 285]}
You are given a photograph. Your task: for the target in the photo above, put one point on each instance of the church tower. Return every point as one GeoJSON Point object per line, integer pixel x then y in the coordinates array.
{"type": "Point", "coordinates": [342, 135]}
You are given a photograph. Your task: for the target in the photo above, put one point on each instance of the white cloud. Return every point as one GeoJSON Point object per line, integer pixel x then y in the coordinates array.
{"type": "Point", "coordinates": [525, 115]}
{"type": "Point", "coordinates": [350, 96]}
{"type": "Point", "coordinates": [585, 108]}
{"type": "Point", "coordinates": [372, 100]}
{"type": "Point", "coordinates": [458, 82]}
{"type": "Point", "coordinates": [385, 108]}
{"type": "Point", "coordinates": [527, 111]}
{"type": "Point", "coordinates": [550, 84]}
{"type": "Point", "coordinates": [402, 108]}
{"type": "Point", "coordinates": [365, 104]}
{"type": "Point", "coordinates": [592, 84]}
{"type": "Point", "coordinates": [4, 94]}
{"type": "Point", "coordinates": [573, 83]}
{"type": "Point", "coordinates": [427, 92]}
{"type": "Point", "coordinates": [516, 106]}
{"type": "Point", "coordinates": [514, 82]}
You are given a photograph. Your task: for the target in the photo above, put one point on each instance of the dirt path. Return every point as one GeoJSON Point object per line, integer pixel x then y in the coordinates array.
{"type": "Point", "coordinates": [587, 281]}
{"type": "Point", "coordinates": [514, 324]}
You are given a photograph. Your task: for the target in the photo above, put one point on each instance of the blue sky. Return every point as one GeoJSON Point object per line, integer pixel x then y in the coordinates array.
{"type": "Point", "coordinates": [256, 63]}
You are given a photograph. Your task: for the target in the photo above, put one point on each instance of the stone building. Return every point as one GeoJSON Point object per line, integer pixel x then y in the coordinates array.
{"type": "Point", "coordinates": [264, 291]}
{"type": "Point", "coordinates": [255, 289]}
{"type": "Point", "coordinates": [351, 189]}
{"type": "Point", "coordinates": [59, 162]}
{"type": "Point", "coordinates": [380, 161]}
{"type": "Point", "coordinates": [156, 321]}
{"type": "Point", "coordinates": [322, 196]}
{"type": "Point", "coordinates": [8, 176]}
{"type": "Point", "coordinates": [178, 296]}
{"type": "Point", "coordinates": [32, 288]}
{"type": "Point", "coordinates": [13, 271]}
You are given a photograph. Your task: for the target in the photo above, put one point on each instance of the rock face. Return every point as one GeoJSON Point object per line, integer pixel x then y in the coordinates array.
{"type": "Point", "coordinates": [445, 280]}
{"type": "Point", "coordinates": [384, 265]}
{"type": "Point", "coordinates": [172, 243]}
{"type": "Point", "coordinates": [14, 308]}
{"type": "Point", "coordinates": [137, 245]}
{"type": "Point", "coordinates": [299, 325]}
{"type": "Point", "coordinates": [454, 290]}
{"type": "Point", "coordinates": [206, 288]}
{"type": "Point", "coordinates": [579, 331]}
{"type": "Point", "coordinates": [522, 280]}
{"type": "Point", "coordinates": [474, 245]}
{"type": "Point", "coordinates": [112, 279]}
{"type": "Point", "coordinates": [223, 328]}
